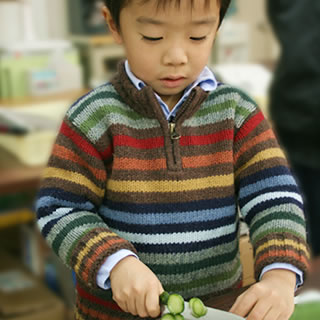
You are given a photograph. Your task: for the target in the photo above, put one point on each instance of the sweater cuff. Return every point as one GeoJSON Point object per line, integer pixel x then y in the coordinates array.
{"type": "Point", "coordinates": [103, 280]}
{"type": "Point", "coordinates": [281, 248]}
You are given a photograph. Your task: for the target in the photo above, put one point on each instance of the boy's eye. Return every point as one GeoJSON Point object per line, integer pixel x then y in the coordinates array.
{"type": "Point", "coordinates": [198, 38]}
{"type": "Point", "coordinates": [151, 38]}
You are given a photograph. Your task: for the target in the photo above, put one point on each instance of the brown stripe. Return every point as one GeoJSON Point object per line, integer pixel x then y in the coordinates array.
{"type": "Point", "coordinates": [171, 197]}
{"type": "Point", "coordinates": [119, 129]}
{"type": "Point", "coordinates": [161, 175]}
{"type": "Point", "coordinates": [262, 165]}
{"type": "Point", "coordinates": [222, 146]}
{"type": "Point", "coordinates": [246, 156]}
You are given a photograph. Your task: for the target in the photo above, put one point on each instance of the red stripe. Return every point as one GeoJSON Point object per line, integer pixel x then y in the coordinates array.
{"type": "Point", "coordinates": [207, 139]}
{"type": "Point", "coordinates": [107, 153]}
{"type": "Point", "coordinates": [79, 141]}
{"type": "Point", "coordinates": [151, 143]}
{"type": "Point", "coordinates": [249, 126]}
{"type": "Point", "coordinates": [109, 304]}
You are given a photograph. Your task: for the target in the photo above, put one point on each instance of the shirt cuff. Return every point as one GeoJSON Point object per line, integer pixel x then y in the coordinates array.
{"type": "Point", "coordinates": [103, 280]}
{"type": "Point", "coordinates": [287, 266]}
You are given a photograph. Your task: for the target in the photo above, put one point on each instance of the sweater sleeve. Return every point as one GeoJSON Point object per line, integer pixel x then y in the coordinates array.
{"type": "Point", "coordinates": [268, 196]}
{"type": "Point", "coordinates": [71, 193]}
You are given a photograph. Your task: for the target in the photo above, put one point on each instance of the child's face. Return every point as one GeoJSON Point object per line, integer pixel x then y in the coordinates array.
{"type": "Point", "coordinates": [167, 47]}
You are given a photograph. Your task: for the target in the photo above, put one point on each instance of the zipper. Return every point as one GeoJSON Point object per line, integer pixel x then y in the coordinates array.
{"type": "Point", "coordinates": [174, 136]}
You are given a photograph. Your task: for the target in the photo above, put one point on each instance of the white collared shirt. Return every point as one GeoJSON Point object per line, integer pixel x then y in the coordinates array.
{"type": "Point", "coordinates": [206, 81]}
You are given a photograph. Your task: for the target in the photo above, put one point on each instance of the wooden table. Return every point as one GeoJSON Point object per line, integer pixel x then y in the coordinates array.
{"type": "Point", "coordinates": [16, 178]}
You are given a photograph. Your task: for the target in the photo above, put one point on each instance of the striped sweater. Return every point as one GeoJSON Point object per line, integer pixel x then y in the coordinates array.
{"type": "Point", "coordinates": [121, 177]}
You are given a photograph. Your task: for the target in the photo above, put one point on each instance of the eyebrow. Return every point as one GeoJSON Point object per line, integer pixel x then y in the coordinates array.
{"type": "Point", "coordinates": [147, 20]}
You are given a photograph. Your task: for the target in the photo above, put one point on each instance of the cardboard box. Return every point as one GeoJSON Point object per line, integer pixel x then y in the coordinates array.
{"type": "Point", "coordinates": [25, 297]}
{"type": "Point", "coordinates": [246, 256]}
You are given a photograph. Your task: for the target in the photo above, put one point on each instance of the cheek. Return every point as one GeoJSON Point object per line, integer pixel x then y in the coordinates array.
{"type": "Point", "coordinates": [201, 57]}
{"type": "Point", "coordinates": [141, 66]}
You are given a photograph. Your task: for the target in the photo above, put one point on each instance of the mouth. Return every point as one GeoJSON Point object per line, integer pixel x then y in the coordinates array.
{"type": "Point", "coordinates": [172, 81]}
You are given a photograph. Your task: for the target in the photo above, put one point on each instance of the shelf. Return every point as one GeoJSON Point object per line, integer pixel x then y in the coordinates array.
{"type": "Point", "coordinates": [15, 217]}
{"type": "Point", "coordinates": [93, 40]}
{"type": "Point", "coordinates": [71, 95]}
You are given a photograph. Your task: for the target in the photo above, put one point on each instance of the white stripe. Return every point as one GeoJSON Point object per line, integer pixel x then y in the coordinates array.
{"type": "Point", "coordinates": [176, 238]}
{"type": "Point", "coordinates": [269, 196]}
{"type": "Point", "coordinates": [54, 215]}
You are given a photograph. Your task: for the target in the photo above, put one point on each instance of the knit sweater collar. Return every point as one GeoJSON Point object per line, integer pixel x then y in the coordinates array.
{"type": "Point", "coordinates": [145, 102]}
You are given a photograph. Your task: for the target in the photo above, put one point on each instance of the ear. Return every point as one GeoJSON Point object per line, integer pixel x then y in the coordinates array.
{"type": "Point", "coordinates": [112, 25]}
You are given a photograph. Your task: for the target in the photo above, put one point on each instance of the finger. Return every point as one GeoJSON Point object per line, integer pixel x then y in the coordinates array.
{"type": "Point", "coordinates": [131, 305]}
{"type": "Point", "coordinates": [260, 311]}
{"type": "Point", "coordinates": [244, 303]}
{"type": "Point", "coordinates": [274, 314]}
{"type": "Point", "coordinates": [123, 306]}
{"type": "Point", "coordinates": [152, 303]}
{"type": "Point", "coordinates": [141, 306]}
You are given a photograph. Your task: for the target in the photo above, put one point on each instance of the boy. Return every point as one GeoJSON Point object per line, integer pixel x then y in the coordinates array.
{"type": "Point", "coordinates": [142, 188]}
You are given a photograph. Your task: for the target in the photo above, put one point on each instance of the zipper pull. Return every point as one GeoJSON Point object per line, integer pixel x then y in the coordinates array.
{"type": "Point", "coordinates": [173, 134]}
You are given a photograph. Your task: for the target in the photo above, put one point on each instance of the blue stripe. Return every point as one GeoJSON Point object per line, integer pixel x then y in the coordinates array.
{"type": "Point", "coordinates": [51, 201]}
{"type": "Point", "coordinates": [61, 194]}
{"type": "Point", "coordinates": [266, 173]}
{"type": "Point", "coordinates": [168, 218]}
{"type": "Point", "coordinates": [170, 207]}
{"type": "Point", "coordinates": [283, 180]}
{"type": "Point", "coordinates": [172, 227]}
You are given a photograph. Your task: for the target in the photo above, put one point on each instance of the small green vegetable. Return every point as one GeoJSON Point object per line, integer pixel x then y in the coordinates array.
{"type": "Point", "coordinates": [168, 316]}
{"type": "Point", "coordinates": [175, 306]}
{"type": "Point", "coordinates": [198, 309]}
{"type": "Point", "coordinates": [164, 296]}
{"type": "Point", "coordinates": [175, 303]}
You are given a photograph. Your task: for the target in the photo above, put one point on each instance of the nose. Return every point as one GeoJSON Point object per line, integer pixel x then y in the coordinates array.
{"type": "Point", "coordinates": [175, 55]}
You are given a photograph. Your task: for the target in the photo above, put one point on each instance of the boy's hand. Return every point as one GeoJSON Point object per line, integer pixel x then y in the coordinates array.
{"type": "Point", "coordinates": [135, 288]}
{"type": "Point", "coordinates": [270, 299]}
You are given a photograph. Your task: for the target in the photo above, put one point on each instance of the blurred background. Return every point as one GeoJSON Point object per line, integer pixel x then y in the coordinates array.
{"type": "Point", "coordinates": [51, 53]}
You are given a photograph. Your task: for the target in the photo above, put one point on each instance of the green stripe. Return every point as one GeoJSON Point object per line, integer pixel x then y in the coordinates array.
{"type": "Point", "coordinates": [225, 89]}
{"type": "Point", "coordinates": [87, 100]}
{"type": "Point", "coordinates": [186, 267]}
{"type": "Point", "coordinates": [67, 230]}
{"type": "Point", "coordinates": [102, 112]}
{"type": "Point", "coordinates": [219, 107]}
{"type": "Point", "coordinates": [278, 215]}
{"type": "Point", "coordinates": [204, 281]}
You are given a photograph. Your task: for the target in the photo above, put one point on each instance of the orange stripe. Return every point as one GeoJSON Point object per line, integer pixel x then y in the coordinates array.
{"type": "Point", "coordinates": [283, 253]}
{"type": "Point", "coordinates": [99, 251]}
{"type": "Point", "coordinates": [136, 164]}
{"type": "Point", "coordinates": [207, 160]}
{"type": "Point", "coordinates": [261, 137]}
{"type": "Point", "coordinates": [64, 153]}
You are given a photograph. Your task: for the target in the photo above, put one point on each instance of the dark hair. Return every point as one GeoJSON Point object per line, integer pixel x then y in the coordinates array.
{"type": "Point", "coordinates": [115, 7]}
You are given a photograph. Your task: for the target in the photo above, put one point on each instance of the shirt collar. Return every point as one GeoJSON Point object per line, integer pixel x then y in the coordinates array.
{"type": "Point", "coordinates": [206, 81]}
